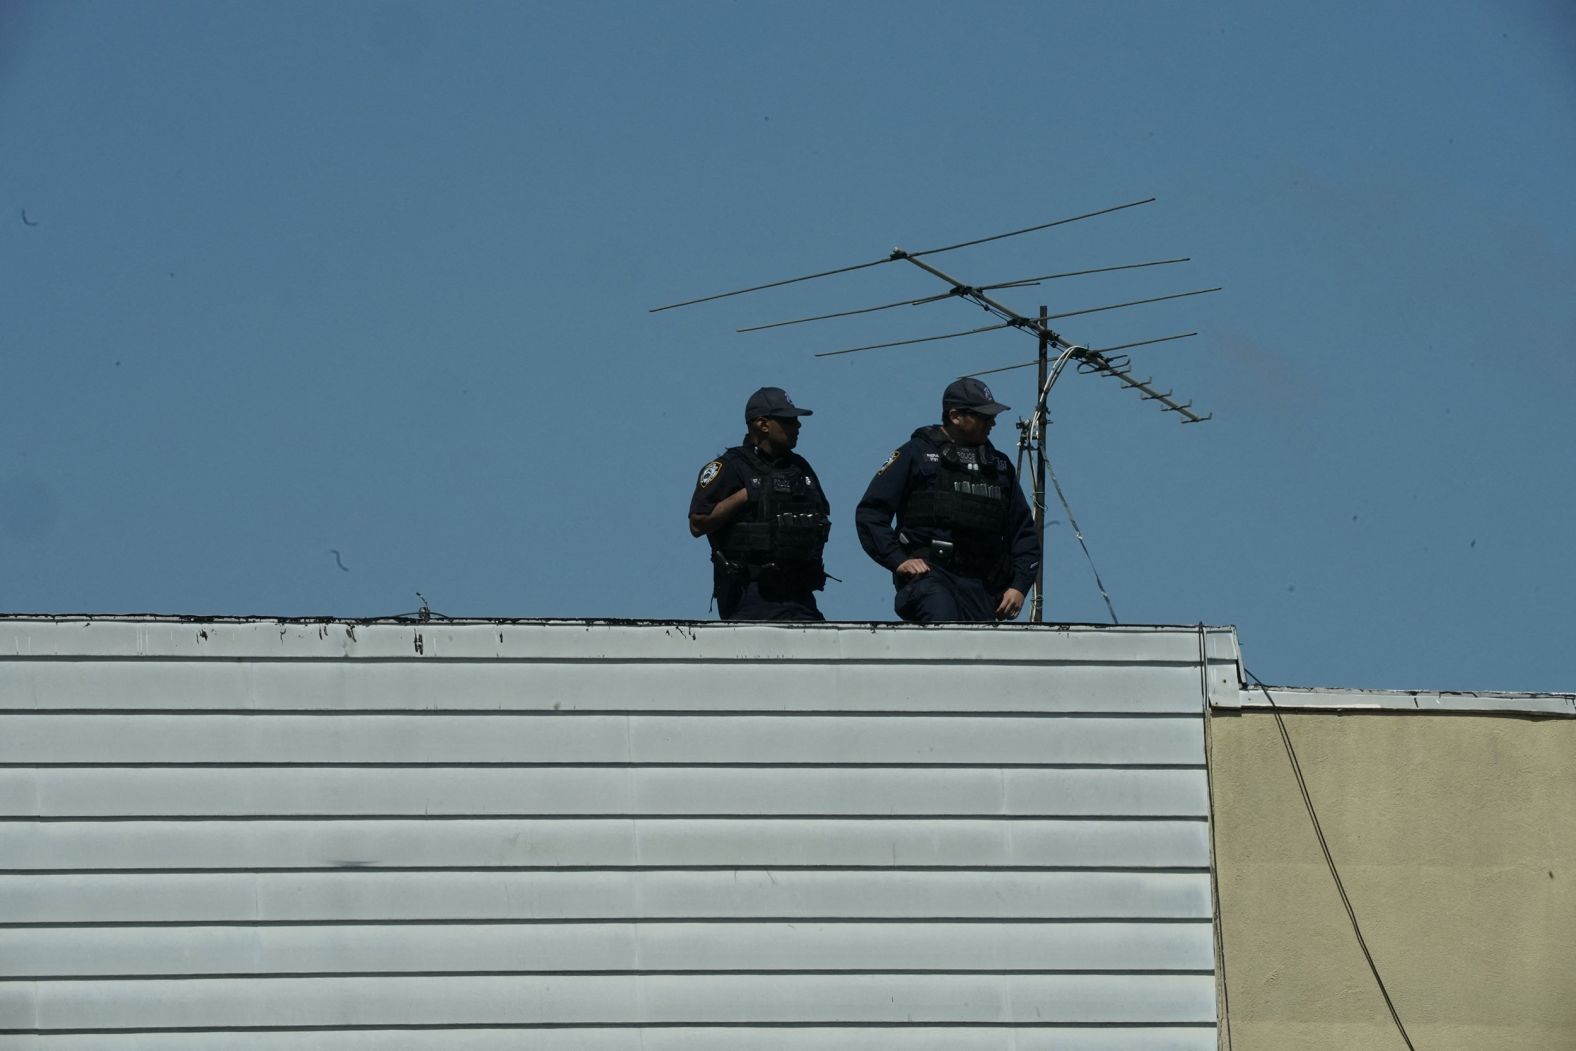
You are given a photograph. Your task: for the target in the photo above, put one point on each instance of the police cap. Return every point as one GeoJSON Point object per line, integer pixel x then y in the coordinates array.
{"type": "Point", "coordinates": [970, 395]}
{"type": "Point", "coordinates": [771, 401]}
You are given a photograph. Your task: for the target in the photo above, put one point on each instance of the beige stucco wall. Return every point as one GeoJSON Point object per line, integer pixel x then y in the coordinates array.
{"type": "Point", "coordinates": [1455, 836]}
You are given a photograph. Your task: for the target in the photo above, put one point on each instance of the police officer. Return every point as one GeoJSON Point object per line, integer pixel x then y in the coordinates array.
{"type": "Point", "coordinates": [763, 510]}
{"type": "Point", "coordinates": [964, 547]}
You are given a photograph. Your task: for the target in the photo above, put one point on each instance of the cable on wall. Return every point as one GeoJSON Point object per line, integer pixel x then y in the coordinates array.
{"type": "Point", "coordinates": [1329, 859]}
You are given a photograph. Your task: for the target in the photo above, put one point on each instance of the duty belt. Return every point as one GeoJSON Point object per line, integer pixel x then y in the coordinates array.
{"type": "Point", "coordinates": [938, 551]}
{"type": "Point", "coordinates": [944, 553]}
{"type": "Point", "coordinates": [752, 571]}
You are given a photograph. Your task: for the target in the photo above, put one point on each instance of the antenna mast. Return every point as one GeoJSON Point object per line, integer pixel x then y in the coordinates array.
{"type": "Point", "coordinates": [1025, 437]}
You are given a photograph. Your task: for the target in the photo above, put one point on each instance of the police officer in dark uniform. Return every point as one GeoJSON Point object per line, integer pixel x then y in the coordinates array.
{"type": "Point", "coordinates": [964, 547]}
{"type": "Point", "coordinates": [762, 508]}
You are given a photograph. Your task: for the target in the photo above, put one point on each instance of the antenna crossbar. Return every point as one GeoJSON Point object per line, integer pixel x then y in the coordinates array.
{"type": "Point", "coordinates": [1012, 317]}
{"type": "Point", "coordinates": [1095, 360]}
{"type": "Point", "coordinates": [922, 339]}
{"type": "Point", "coordinates": [1026, 281]}
{"type": "Point", "coordinates": [848, 313]}
{"type": "Point", "coordinates": [1022, 282]}
{"type": "Point", "coordinates": [894, 257]}
{"type": "Point", "coordinates": [1081, 367]}
{"type": "Point", "coordinates": [1032, 229]}
{"type": "Point", "coordinates": [1134, 303]}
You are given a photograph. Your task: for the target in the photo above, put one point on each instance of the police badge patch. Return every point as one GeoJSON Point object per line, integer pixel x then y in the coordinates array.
{"type": "Point", "coordinates": [709, 473]}
{"type": "Point", "coordinates": [890, 460]}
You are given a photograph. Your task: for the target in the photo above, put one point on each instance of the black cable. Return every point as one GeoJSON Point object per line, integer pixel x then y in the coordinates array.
{"type": "Point", "coordinates": [1329, 859]}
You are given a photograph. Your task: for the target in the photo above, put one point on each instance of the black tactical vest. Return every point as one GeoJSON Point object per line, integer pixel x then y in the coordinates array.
{"type": "Point", "coordinates": [783, 522]}
{"type": "Point", "coordinates": [968, 497]}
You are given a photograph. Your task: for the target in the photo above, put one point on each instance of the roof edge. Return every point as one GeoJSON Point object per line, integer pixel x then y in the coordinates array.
{"type": "Point", "coordinates": [1324, 699]}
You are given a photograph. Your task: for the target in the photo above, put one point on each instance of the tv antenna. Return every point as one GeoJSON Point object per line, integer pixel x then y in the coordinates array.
{"type": "Point", "coordinates": [1110, 362]}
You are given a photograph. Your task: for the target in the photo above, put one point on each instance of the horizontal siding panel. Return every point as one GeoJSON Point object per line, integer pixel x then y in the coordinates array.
{"type": "Point", "coordinates": [264, 639]}
{"type": "Point", "coordinates": [719, 1038]}
{"type": "Point", "coordinates": [596, 739]}
{"type": "Point", "coordinates": [606, 841]}
{"type": "Point", "coordinates": [59, 952]}
{"type": "Point", "coordinates": [170, 792]}
{"type": "Point", "coordinates": [471, 810]}
{"type": "Point", "coordinates": [612, 685]}
{"type": "Point", "coordinates": [362, 895]}
{"type": "Point", "coordinates": [560, 1000]}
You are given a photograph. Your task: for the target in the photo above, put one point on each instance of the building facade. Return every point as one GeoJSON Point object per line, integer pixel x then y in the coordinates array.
{"type": "Point", "coordinates": [586, 835]}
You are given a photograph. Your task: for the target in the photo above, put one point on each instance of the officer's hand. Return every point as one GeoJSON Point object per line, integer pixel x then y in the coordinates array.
{"type": "Point", "coordinates": [1011, 604]}
{"type": "Point", "coordinates": [918, 567]}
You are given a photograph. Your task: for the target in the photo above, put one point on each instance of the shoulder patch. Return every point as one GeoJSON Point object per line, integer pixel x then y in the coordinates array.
{"type": "Point", "coordinates": [890, 460]}
{"type": "Point", "coordinates": [708, 474]}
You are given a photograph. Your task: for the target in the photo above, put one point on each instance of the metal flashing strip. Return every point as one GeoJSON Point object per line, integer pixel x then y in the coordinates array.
{"type": "Point", "coordinates": [266, 638]}
{"type": "Point", "coordinates": [1304, 699]}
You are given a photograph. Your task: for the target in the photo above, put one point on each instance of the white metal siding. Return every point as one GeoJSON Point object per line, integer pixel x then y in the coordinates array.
{"type": "Point", "coordinates": [604, 836]}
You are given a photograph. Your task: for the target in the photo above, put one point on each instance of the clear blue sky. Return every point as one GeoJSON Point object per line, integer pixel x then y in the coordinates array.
{"type": "Point", "coordinates": [284, 279]}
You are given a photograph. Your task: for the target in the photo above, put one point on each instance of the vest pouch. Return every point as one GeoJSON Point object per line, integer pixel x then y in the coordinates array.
{"type": "Point", "coordinates": [976, 506]}
{"type": "Point", "coordinates": [967, 506]}
{"type": "Point", "coordinates": [748, 542]}
{"type": "Point", "coordinates": [800, 536]}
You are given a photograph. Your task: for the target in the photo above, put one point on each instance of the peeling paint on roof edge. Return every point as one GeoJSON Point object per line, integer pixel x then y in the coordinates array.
{"type": "Point", "coordinates": [1394, 702]}
{"type": "Point", "coordinates": [820, 642]}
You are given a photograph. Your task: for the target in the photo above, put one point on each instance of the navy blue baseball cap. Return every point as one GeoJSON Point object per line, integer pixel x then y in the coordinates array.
{"type": "Point", "coordinates": [772, 401]}
{"type": "Point", "coordinates": [970, 395]}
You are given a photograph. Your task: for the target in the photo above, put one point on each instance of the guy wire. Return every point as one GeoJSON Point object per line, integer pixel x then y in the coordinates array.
{"type": "Point", "coordinates": [1079, 534]}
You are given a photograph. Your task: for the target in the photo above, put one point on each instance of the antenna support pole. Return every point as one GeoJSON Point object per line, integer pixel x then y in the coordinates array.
{"type": "Point", "coordinates": [1037, 606]}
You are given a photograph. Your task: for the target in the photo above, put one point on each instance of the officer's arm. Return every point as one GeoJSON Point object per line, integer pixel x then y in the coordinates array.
{"type": "Point", "coordinates": [721, 513]}
{"type": "Point", "coordinates": [720, 496]}
{"type": "Point", "coordinates": [879, 506]}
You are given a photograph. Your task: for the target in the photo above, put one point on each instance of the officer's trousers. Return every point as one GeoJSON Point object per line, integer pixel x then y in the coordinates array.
{"type": "Point", "coordinates": [764, 599]}
{"type": "Point", "coordinates": [942, 595]}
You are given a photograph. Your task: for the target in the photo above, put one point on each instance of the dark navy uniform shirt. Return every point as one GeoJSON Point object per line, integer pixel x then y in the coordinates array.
{"type": "Point", "coordinates": [729, 473]}
{"type": "Point", "coordinates": [911, 466]}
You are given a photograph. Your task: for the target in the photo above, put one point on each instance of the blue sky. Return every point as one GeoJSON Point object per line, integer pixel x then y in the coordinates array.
{"type": "Point", "coordinates": [286, 279]}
